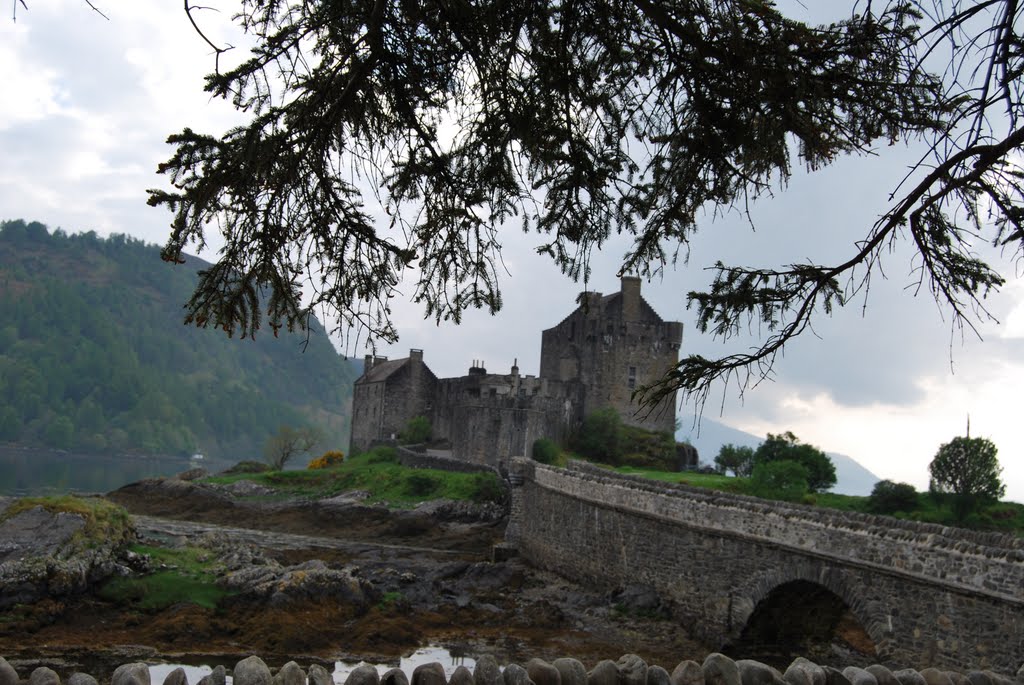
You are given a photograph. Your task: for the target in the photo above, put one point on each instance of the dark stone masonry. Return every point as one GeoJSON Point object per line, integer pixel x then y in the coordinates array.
{"type": "Point", "coordinates": [926, 595]}
{"type": "Point", "coordinates": [593, 359]}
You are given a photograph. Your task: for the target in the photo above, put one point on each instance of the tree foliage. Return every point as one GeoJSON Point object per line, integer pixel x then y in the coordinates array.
{"type": "Point", "coordinates": [786, 480]}
{"type": "Point", "coordinates": [580, 121]}
{"type": "Point", "coordinates": [290, 442]}
{"type": "Point", "coordinates": [417, 431]}
{"type": "Point", "coordinates": [968, 469]}
{"type": "Point", "coordinates": [93, 357]}
{"type": "Point", "coordinates": [739, 460]}
{"type": "Point", "coordinates": [888, 497]}
{"type": "Point", "coordinates": [821, 472]}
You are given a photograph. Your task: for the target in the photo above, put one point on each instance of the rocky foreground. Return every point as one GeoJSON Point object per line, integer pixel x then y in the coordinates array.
{"type": "Point", "coordinates": [326, 579]}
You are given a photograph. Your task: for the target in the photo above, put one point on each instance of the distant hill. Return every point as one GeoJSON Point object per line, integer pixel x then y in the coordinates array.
{"type": "Point", "coordinates": [851, 477]}
{"type": "Point", "coordinates": [94, 357]}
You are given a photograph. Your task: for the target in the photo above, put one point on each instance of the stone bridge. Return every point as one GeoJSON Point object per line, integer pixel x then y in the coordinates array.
{"type": "Point", "coordinates": [926, 595]}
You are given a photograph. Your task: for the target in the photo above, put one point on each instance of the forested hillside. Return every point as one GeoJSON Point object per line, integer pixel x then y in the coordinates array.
{"type": "Point", "coordinates": [94, 357]}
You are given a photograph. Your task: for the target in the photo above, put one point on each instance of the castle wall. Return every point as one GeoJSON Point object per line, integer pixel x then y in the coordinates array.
{"type": "Point", "coordinates": [381, 408]}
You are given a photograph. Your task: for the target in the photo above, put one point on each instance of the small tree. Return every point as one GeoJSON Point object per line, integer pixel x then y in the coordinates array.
{"type": "Point", "coordinates": [601, 437]}
{"type": "Point", "coordinates": [416, 432]}
{"type": "Point", "coordinates": [821, 472]}
{"type": "Point", "coordinates": [968, 469]}
{"type": "Point", "coordinates": [785, 480]}
{"type": "Point", "coordinates": [545, 451]}
{"type": "Point", "coordinates": [739, 460]}
{"type": "Point", "coordinates": [888, 497]}
{"type": "Point", "coordinates": [288, 443]}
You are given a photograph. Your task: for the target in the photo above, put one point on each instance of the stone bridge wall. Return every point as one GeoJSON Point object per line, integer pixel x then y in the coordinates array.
{"type": "Point", "coordinates": [926, 594]}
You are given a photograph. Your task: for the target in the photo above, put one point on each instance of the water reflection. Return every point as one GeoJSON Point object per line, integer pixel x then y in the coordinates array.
{"type": "Point", "coordinates": [342, 669]}
{"type": "Point", "coordinates": [44, 472]}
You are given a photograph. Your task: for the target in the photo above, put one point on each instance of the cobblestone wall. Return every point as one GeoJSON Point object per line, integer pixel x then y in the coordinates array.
{"type": "Point", "coordinates": [926, 594]}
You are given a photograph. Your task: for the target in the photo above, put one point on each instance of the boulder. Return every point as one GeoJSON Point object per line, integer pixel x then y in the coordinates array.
{"type": "Point", "coordinates": [8, 676]}
{"type": "Point", "coordinates": [292, 674]}
{"type": "Point", "coordinates": [429, 674]}
{"type": "Point", "coordinates": [571, 671]}
{"type": "Point", "coordinates": [978, 678]}
{"type": "Point", "coordinates": [720, 670]}
{"type": "Point", "coordinates": [957, 678]}
{"type": "Point", "coordinates": [461, 676]}
{"type": "Point", "coordinates": [656, 675]}
{"type": "Point", "coordinates": [908, 676]}
{"type": "Point", "coordinates": [45, 676]}
{"type": "Point", "coordinates": [632, 670]}
{"type": "Point", "coordinates": [393, 676]}
{"type": "Point", "coordinates": [833, 676]}
{"type": "Point", "coordinates": [131, 674]}
{"type": "Point", "coordinates": [604, 673]}
{"type": "Point", "coordinates": [487, 671]}
{"type": "Point", "coordinates": [998, 678]}
{"type": "Point", "coordinates": [804, 672]}
{"type": "Point", "coordinates": [175, 677]}
{"type": "Point", "coordinates": [365, 674]}
{"type": "Point", "coordinates": [933, 676]}
{"type": "Point", "coordinates": [858, 676]}
{"type": "Point", "coordinates": [755, 673]}
{"type": "Point", "coordinates": [86, 679]}
{"type": "Point", "coordinates": [687, 673]}
{"type": "Point", "coordinates": [219, 676]}
{"type": "Point", "coordinates": [883, 676]}
{"type": "Point", "coordinates": [318, 675]}
{"type": "Point", "coordinates": [543, 673]}
{"type": "Point", "coordinates": [206, 680]}
{"type": "Point", "coordinates": [514, 674]}
{"type": "Point", "coordinates": [251, 671]}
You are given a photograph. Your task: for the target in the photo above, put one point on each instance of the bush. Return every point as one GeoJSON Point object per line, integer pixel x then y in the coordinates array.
{"type": "Point", "coordinates": [327, 459]}
{"type": "Point", "coordinates": [784, 480]}
{"type": "Point", "coordinates": [416, 432]}
{"type": "Point", "coordinates": [739, 460]}
{"type": "Point", "coordinates": [486, 488]}
{"type": "Point", "coordinates": [888, 497]}
{"type": "Point", "coordinates": [419, 484]}
{"type": "Point", "coordinates": [600, 437]}
{"type": "Point", "coordinates": [821, 472]}
{"type": "Point", "coordinates": [546, 451]}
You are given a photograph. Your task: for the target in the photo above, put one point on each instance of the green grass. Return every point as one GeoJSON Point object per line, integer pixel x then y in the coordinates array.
{"type": "Point", "coordinates": [104, 521]}
{"type": "Point", "coordinates": [189, 577]}
{"type": "Point", "coordinates": [1007, 517]}
{"type": "Point", "coordinates": [379, 473]}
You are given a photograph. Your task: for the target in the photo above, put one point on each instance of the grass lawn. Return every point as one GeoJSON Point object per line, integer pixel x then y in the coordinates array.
{"type": "Point", "coordinates": [379, 473]}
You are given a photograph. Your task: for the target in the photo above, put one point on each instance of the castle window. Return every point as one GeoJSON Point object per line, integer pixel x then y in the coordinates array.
{"type": "Point", "coordinates": [494, 392]}
{"type": "Point", "coordinates": [632, 378]}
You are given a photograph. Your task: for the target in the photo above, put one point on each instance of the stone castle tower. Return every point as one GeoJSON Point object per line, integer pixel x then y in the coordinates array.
{"type": "Point", "coordinates": [612, 345]}
{"type": "Point", "coordinates": [609, 346]}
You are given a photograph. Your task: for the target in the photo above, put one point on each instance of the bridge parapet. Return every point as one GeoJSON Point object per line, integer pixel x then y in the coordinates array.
{"type": "Point", "coordinates": [989, 563]}
{"type": "Point", "coordinates": [921, 591]}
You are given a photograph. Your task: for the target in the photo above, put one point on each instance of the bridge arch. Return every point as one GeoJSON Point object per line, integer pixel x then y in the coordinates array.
{"type": "Point", "coordinates": [807, 604]}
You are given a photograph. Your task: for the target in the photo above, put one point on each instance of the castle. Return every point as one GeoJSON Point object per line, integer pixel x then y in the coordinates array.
{"type": "Point", "coordinates": [606, 348]}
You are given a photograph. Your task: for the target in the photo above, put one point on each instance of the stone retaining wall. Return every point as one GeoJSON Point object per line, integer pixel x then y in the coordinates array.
{"type": "Point", "coordinates": [422, 460]}
{"type": "Point", "coordinates": [925, 594]}
{"type": "Point", "coordinates": [630, 669]}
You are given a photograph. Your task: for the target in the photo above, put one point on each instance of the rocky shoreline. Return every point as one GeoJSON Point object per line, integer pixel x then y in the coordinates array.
{"type": "Point", "coordinates": [330, 579]}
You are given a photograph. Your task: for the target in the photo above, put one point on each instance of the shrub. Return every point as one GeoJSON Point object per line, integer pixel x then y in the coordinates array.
{"type": "Point", "coordinates": [600, 437]}
{"type": "Point", "coordinates": [739, 460]}
{"type": "Point", "coordinates": [545, 451]}
{"type": "Point", "coordinates": [419, 484]}
{"type": "Point", "coordinates": [486, 488]}
{"type": "Point", "coordinates": [888, 497]}
{"type": "Point", "coordinates": [785, 480]}
{"type": "Point", "coordinates": [327, 459]}
{"type": "Point", "coordinates": [821, 472]}
{"type": "Point", "coordinates": [416, 431]}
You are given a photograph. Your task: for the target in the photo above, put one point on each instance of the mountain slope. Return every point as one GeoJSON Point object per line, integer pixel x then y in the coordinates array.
{"type": "Point", "coordinates": [851, 477]}
{"type": "Point", "coordinates": [94, 357]}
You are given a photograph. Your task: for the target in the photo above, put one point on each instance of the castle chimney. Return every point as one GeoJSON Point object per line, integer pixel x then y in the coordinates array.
{"type": "Point", "coordinates": [416, 355]}
{"type": "Point", "coordinates": [367, 363]}
{"type": "Point", "coordinates": [630, 298]}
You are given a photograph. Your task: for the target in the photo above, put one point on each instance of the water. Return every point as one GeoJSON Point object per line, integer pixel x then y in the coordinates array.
{"type": "Point", "coordinates": [425, 655]}
{"type": "Point", "coordinates": [46, 472]}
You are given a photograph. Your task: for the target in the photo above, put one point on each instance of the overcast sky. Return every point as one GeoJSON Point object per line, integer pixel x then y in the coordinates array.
{"type": "Point", "coordinates": [87, 103]}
